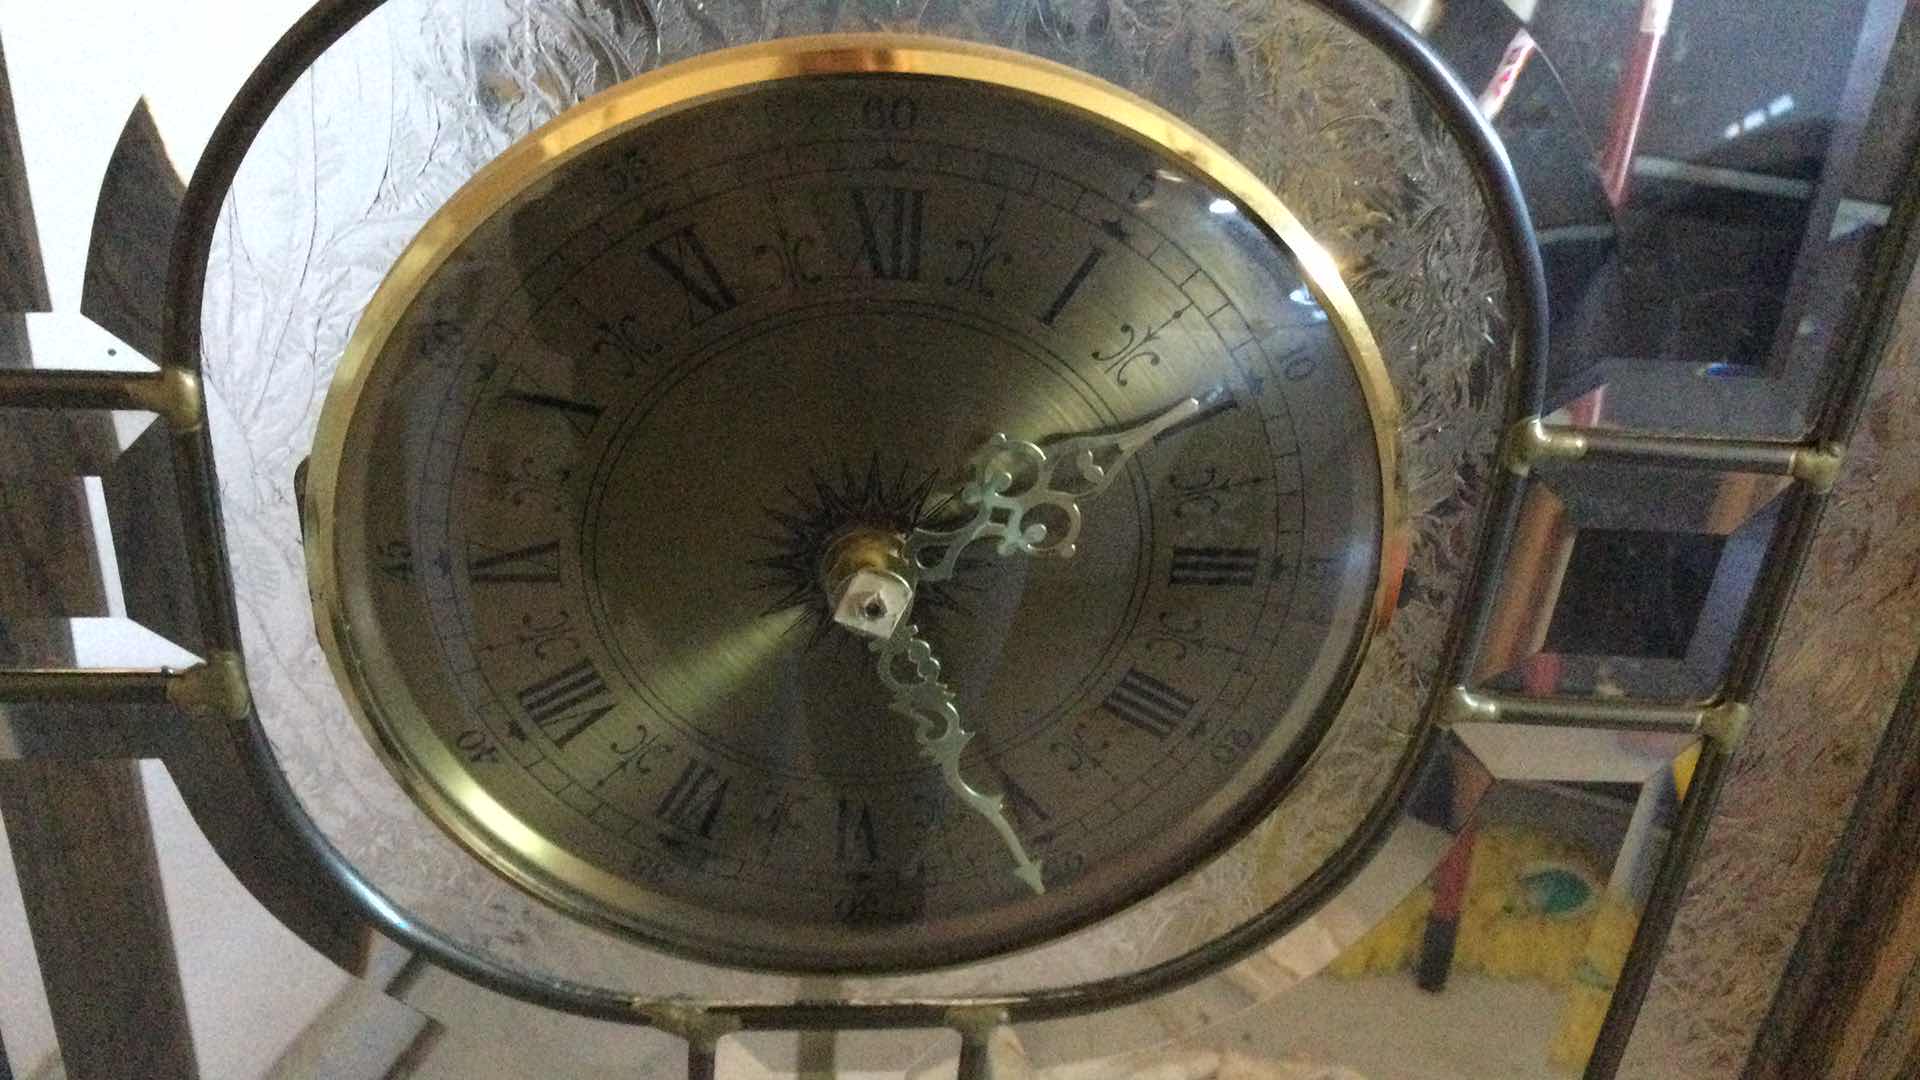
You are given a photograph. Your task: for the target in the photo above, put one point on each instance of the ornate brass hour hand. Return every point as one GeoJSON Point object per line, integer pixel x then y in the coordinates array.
{"type": "Point", "coordinates": [1027, 496]}
{"type": "Point", "coordinates": [910, 672]}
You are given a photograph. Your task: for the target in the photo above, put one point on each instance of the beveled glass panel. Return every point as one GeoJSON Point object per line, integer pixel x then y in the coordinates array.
{"type": "Point", "coordinates": [1706, 242]}
{"type": "Point", "coordinates": [1629, 581]}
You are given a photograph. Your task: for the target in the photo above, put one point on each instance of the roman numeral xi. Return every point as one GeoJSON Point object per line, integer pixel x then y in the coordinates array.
{"type": "Point", "coordinates": [685, 259]}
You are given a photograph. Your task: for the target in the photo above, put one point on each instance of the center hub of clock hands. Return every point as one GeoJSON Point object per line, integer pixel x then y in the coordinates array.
{"type": "Point", "coordinates": [864, 574]}
{"type": "Point", "coordinates": [1022, 495]}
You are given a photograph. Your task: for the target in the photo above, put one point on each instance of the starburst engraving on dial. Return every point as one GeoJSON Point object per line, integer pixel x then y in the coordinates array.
{"type": "Point", "coordinates": [898, 501]}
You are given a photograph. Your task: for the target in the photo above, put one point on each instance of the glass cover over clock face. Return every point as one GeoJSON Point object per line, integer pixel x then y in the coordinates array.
{"type": "Point", "coordinates": [661, 537]}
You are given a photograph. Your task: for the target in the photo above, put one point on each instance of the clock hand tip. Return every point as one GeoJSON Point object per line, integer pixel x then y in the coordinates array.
{"type": "Point", "coordinates": [1029, 872]}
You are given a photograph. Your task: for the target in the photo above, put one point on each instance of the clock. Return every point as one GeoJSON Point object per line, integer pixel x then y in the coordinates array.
{"type": "Point", "coordinates": [1238, 471]}
{"type": "Point", "coordinates": [854, 503]}
{"type": "Point", "coordinates": [809, 535]}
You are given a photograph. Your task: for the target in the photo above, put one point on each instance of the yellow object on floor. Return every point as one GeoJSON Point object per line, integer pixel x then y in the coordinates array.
{"type": "Point", "coordinates": [1500, 934]}
{"type": "Point", "coordinates": [1504, 934]}
{"type": "Point", "coordinates": [1613, 929]}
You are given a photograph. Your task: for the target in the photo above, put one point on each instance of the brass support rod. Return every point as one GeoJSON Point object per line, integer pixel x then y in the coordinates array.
{"type": "Point", "coordinates": [1478, 707]}
{"type": "Point", "coordinates": [74, 686]}
{"type": "Point", "coordinates": [173, 394]}
{"type": "Point", "coordinates": [1533, 442]}
{"type": "Point", "coordinates": [39, 388]}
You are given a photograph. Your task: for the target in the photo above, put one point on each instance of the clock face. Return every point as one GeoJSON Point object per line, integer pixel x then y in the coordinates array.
{"type": "Point", "coordinates": [579, 479]}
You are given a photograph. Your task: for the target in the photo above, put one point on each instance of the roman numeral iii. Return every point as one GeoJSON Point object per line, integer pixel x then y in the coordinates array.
{"type": "Point", "coordinates": [1214, 566]}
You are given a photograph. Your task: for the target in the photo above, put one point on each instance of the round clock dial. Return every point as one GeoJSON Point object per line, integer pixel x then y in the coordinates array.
{"type": "Point", "coordinates": [854, 504]}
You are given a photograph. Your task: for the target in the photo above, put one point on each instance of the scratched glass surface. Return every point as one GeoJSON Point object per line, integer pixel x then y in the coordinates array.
{"type": "Point", "coordinates": [408, 105]}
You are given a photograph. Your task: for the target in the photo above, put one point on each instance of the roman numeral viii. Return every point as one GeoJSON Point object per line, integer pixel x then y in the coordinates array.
{"type": "Point", "coordinates": [567, 702]}
{"type": "Point", "coordinates": [693, 802]}
{"type": "Point", "coordinates": [1148, 704]}
{"type": "Point", "coordinates": [892, 224]}
{"type": "Point", "coordinates": [685, 260]}
{"type": "Point", "coordinates": [1214, 566]}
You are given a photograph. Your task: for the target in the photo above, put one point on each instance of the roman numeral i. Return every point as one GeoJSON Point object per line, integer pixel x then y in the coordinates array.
{"type": "Point", "coordinates": [539, 564]}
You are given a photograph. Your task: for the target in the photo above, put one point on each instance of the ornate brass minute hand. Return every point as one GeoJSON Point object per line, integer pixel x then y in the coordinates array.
{"type": "Point", "coordinates": [1028, 496]}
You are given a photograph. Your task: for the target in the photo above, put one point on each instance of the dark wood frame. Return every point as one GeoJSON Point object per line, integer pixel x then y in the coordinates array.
{"type": "Point", "coordinates": [1849, 1003]}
